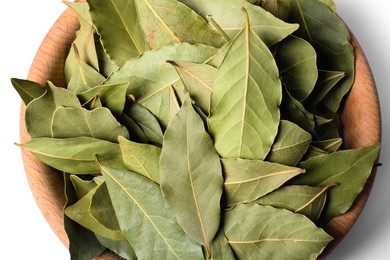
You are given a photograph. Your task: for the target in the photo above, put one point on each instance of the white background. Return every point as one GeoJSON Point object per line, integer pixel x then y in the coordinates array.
{"type": "Point", "coordinates": [24, 234]}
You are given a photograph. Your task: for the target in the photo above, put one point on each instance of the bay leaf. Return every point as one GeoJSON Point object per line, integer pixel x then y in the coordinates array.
{"type": "Point", "coordinates": [330, 3]}
{"type": "Point", "coordinates": [117, 23]}
{"type": "Point", "coordinates": [248, 180]}
{"type": "Point", "coordinates": [28, 90]}
{"type": "Point", "coordinates": [159, 20]}
{"type": "Point", "coordinates": [327, 80]}
{"type": "Point", "coordinates": [135, 131]}
{"type": "Point", "coordinates": [81, 187]}
{"type": "Point", "coordinates": [83, 213]}
{"type": "Point", "coordinates": [138, 202]}
{"type": "Point", "coordinates": [264, 232]}
{"type": "Point", "coordinates": [99, 123]}
{"type": "Point", "coordinates": [297, 63]}
{"type": "Point", "coordinates": [146, 121]}
{"type": "Point", "coordinates": [191, 175]}
{"type": "Point", "coordinates": [112, 96]}
{"type": "Point", "coordinates": [313, 151]}
{"type": "Point", "coordinates": [106, 65]}
{"type": "Point", "coordinates": [83, 244]}
{"type": "Point", "coordinates": [84, 41]}
{"type": "Point", "coordinates": [302, 199]}
{"type": "Point", "coordinates": [321, 27]}
{"type": "Point", "coordinates": [198, 80]}
{"type": "Point", "coordinates": [39, 112]}
{"type": "Point", "coordinates": [141, 158]}
{"type": "Point", "coordinates": [120, 247]}
{"type": "Point", "coordinates": [151, 76]}
{"type": "Point", "coordinates": [83, 76]}
{"type": "Point", "coordinates": [228, 15]}
{"type": "Point", "coordinates": [245, 101]}
{"type": "Point", "coordinates": [350, 169]}
{"type": "Point", "coordinates": [331, 145]}
{"type": "Point", "coordinates": [290, 144]}
{"type": "Point", "coordinates": [278, 8]}
{"type": "Point", "coordinates": [75, 155]}
{"type": "Point", "coordinates": [220, 247]}
{"type": "Point", "coordinates": [217, 59]}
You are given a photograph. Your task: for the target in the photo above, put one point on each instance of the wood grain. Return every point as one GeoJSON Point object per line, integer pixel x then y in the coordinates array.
{"type": "Point", "coordinates": [361, 127]}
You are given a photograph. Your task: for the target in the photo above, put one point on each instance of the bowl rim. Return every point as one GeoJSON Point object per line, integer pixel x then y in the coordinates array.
{"type": "Point", "coordinates": [47, 185]}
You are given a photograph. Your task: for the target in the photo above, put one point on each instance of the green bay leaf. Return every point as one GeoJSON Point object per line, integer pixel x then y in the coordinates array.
{"type": "Point", "coordinates": [350, 169]}
{"type": "Point", "coordinates": [117, 23]}
{"type": "Point", "coordinates": [248, 180]}
{"type": "Point", "coordinates": [28, 90]}
{"type": "Point", "coordinates": [245, 101]}
{"type": "Point", "coordinates": [120, 247]}
{"type": "Point", "coordinates": [138, 202]}
{"type": "Point", "coordinates": [264, 232]}
{"type": "Point", "coordinates": [75, 155]}
{"type": "Point", "coordinates": [191, 175]}
{"type": "Point", "coordinates": [221, 249]}
{"type": "Point", "coordinates": [159, 20]}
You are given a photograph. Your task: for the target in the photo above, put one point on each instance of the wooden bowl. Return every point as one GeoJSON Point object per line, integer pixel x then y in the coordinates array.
{"type": "Point", "coordinates": [360, 117]}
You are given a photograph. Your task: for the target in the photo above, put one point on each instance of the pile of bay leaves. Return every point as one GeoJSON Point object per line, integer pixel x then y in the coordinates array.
{"type": "Point", "coordinates": [197, 129]}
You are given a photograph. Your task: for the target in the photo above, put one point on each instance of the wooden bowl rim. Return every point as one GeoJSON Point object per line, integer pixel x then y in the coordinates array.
{"type": "Point", "coordinates": [46, 183]}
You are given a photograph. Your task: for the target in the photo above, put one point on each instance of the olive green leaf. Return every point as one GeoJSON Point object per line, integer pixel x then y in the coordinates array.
{"type": "Point", "coordinates": [166, 22]}
{"type": "Point", "coordinates": [146, 121]}
{"type": "Point", "coordinates": [278, 8]}
{"type": "Point", "coordinates": [99, 123]}
{"type": "Point", "coordinates": [141, 158]}
{"type": "Point", "coordinates": [120, 247]}
{"type": "Point", "coordinates": [330, 146]}
{"type": "Point", "coordinates": [330, 3]}
{"type": "Point", "coordinates": [262, 232]}
{"type": "Point", "coordinates": [138, 202]}
{"type": "Point", "coordinates": [151, 76]}
{"type": "Point", "coordinates": [245, 101]}
{"type": "Point", "coordinates": [84, 41]}
{"type": "Point", "coordinates": [39, 112]}
{"type": "Point", "coordinates": [83, 76]}
{"type": "Point", "coordinates": [135, 131]}
{"type": "Point", "coordinates": [327, 80]}
{"type": "Point", "coordinates": [112, 96]}
{"type": "Point", "coordinates": [321, 27]}
{"type": "Point", "coordinates": [198, 79]}
{"type": "Point", "coordinates": [191, 175]}
{"type": "Point", "coordinates": [81, 187]}
{"type": "Point", "coordinates": [28, 90]}
{"type": "Point", "coordinates": [217, 59]}
{"type": "Point", "coordinates": [248, 180]}
{"type": "Point", "coordinates": [83, 244]}
{"type": "Point", "coordinates": [348, 168]}
{"type": "Point", "coordinates": [75, 155]}
{"type": "Point", "coordinates": [117, 23]}
{"type": "Point", "coordinates": [313, 151]}
{"type": "Point", "coordinates": [303, 199]}
{"type": "Point", "coordinates": [290, 144]}
{"type": "Point", "coordinates": [94, 212]}
{"type": "Point", "coordinates": [297, 63]}
{"type": "Point", "coordinates": [220, 248]}
{"type": "Point", "coordinates": [106, 65]}
{"type": "Point", "coordinates": [229, 17]}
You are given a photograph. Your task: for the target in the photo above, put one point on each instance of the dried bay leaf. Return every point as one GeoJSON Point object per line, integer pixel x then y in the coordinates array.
{"type": "Point", "coordinates": [321, 27]}
{"type": "Point", "coordinates": [229, 16]}
{"type": "Point", "coordinates": [39, 112]}
{"type": "Point", "coordinates": [146, 121]}
{"type": "Point", "coordinates": [139, 202]}
{"type": "Point", "coordinates": [112, 96]}
{"type": "Point", "coordinates": [120, 247]}
{"type": "Point", "coordinates": [81, 187]}
{"type": "Point", "coordinates": [75, 155]}
{"type": "Point", "coordinates": [245, 101]}
{"type": "Point", "coordinates": [191, 175]}
{"type": "Point", "coordinates": [248, 180]}
{"type": "Point", "coordinates": [198, 79]}
{"type": "Point", "coordinates": [135, 131]}
{"type": "Point", "coordinates": [159, 20]}
{"type": "Point", "coordinates": [278, 8]}
{"type": "Point", "coordinates": [220, 248]}
{"type": "Point", "coordinates": [330, 146]}
{"type": "Point", "coordinates": [84, 212]}
{"type": "Point", "coordinates": [76, 122]}
{"type": "Point", "coordinates": [141, 158]}
{"type": "Point", "coordinates": [290, 144]}
{"type": "Point", "coordinates": [303, 199]}
{"type": "Point", "coordinates": [348, 168]}
{"type": "Point", "coordinates": [28, 90]}
{"type": "Point", "coordinates": [117, 23]}
{"type": "Point", "coordinates": [296, 60]}
{"type": "Point", "coordinates": [330, 3]}
{"type": "Point", "coordinates": [264, 232]}
{"type": "Point", "coordinates": [151, 76]}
